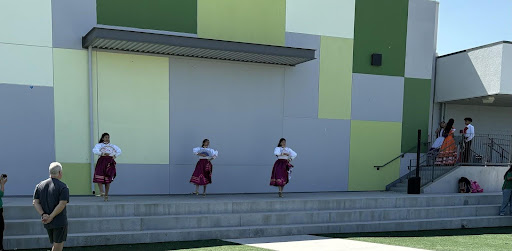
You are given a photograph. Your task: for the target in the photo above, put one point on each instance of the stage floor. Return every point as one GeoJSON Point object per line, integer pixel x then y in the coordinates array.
{"type": "Point", "coordinates": [165, 199]}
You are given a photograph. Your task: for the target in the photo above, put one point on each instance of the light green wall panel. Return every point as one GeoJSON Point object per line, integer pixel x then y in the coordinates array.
{"type": "Point", "coordinates": [380, 27]}
{"type": "Point", "coordinates": [335, 90]}
{"type": "Point", "coordinates": [71, 90]}
{"type": "Point", "coordinates": [78, 178]}
{"type": "Point", "coordinates": [416, 112]}
{"type": "Point", "coordinates": [252, 21]}
{"type": "Point", "coordinates": [333, 18]}
{"type": "Point", "coordinates": [26, 65]}
{"type": "Point", "coordinates": [133, 105]}
{"type": "Point", "coordinates": [27, 22]}
{"type": "Point", "coordinates": [372, 144]}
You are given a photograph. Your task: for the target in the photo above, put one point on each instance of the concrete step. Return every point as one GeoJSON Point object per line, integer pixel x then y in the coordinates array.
{"type": "Point", "coordinates": [171, 222]}
{"type": "Point", "coordinates": [399, 189]}
{"type": "Point", "coordinates": [112, 238]}
{"type": "Point", "coordinates": [212, 206]}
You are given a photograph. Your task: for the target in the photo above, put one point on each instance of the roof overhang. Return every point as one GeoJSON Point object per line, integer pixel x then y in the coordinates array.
{"type": "Point", "coordinates": [500, 100]}
{"type": "Point", "coordinates": [144, 42]}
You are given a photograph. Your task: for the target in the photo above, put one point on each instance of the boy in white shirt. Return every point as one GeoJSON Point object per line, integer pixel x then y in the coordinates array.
{"type": "Point", "coordinates": [469, 134]}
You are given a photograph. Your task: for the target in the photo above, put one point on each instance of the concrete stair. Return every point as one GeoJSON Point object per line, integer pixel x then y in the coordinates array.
{"type": "Point", "coordinates": [222, 217]}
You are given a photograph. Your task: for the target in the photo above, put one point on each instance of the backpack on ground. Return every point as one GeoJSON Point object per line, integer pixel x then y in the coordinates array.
{"type": "Point", "coordinates": [475, 187]}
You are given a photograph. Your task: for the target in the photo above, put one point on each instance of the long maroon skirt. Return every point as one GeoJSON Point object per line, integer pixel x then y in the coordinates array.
{"type": "Point", "coordinates": [203, 173]}
{"type": "Point", "coordinates": [105, 170]}
{"type": "Point", "coordinates": [279, 176]}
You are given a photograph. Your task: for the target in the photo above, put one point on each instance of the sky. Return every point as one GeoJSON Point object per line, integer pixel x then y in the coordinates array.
{"type": "Point", "coordinates": [465, 24]}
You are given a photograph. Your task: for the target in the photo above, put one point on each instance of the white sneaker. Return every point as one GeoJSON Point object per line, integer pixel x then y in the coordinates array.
{"type": "Point", "coordinates": [502, 214]}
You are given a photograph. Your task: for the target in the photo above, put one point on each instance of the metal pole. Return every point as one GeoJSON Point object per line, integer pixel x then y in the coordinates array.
{"type": "Point", "coordinates": [418, 150]}
{"type": "Point", "coordinates": [91, 118]}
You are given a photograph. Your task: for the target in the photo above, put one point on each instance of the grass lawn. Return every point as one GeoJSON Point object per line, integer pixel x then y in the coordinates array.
{"type": "Point", "coordinates": [495, 239]}
{"type": "Point", "coordinates": [207, 245]}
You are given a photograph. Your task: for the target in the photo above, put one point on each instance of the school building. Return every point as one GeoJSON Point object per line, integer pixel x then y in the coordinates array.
{"type": "Point", "coordinates": [347, 83]}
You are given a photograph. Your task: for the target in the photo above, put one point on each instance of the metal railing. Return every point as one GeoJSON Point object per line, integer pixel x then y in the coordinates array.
{"type": "Point", "coordinates": [424, 144]}
{"type": "Point", "coordinates": [485, 149]}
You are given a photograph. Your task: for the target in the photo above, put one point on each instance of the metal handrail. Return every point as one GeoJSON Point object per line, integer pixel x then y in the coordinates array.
{"type": "Point", "coordinates": [400, 156]}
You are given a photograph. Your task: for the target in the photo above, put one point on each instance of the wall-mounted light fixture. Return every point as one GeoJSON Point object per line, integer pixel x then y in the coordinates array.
{"type": "Point", "coordinates": [488, 100]}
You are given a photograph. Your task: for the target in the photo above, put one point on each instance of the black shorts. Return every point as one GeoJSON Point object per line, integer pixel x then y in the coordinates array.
{"type": "Point", "coordinates": [58, 235]}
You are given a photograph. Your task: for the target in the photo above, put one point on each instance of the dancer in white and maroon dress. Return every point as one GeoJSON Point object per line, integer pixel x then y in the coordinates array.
{"type": "Point", "coordinates": [282, 165]}
{"type": "Point", "coordinates": [105, 170]}
{"type": "Point", "coordinates": [202, 175]}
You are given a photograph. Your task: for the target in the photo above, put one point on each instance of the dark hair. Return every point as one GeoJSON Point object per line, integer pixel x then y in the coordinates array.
{"type": "Point", "coordinates": [103, 136]}
{"type": "Point", "coordinates": [448, 127]}
{"type": "Point", "coordinates": [468, 119]}
{"type": "Point", "coordinates": [508, 171]}
{"type": "Point", "coordinates": [204, 141]}
{"type": "Point", "coordinates": [281, 141]}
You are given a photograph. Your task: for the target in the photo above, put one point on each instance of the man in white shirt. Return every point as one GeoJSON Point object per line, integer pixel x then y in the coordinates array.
{"type": "Point", "coordinates": [469, 134]}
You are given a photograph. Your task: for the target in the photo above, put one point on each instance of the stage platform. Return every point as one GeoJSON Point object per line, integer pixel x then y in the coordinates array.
{"type": "Point", "coordinates": [145, 219]}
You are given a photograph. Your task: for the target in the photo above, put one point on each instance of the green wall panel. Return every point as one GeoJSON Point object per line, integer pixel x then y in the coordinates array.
{"type": "Point", "coordinates": [252, 21]}
{"type": "Point", "coordinates": [416, 112]}
{"type": "Point", "coordinates": [371, 144]}
{"type": "Point", "coordinates": [168, 15]}
{"type": "Point", "coordinates": [380, 27]}
{"type": "Point", "coordinates": [78, 178]}
{"type": "Point", "coordinates": [71, 90]}
{"type": "Point", "coordinates": [132, 104]}
{"type": "Point", "coordinates": [335, 90]}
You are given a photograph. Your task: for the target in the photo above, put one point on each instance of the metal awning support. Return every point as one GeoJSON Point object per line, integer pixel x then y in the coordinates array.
{"type": "Point", "coordinates": [143, 42]}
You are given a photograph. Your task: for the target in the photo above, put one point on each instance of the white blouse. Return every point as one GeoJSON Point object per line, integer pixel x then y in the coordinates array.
{"type": "Point", "coordinates": [102, 148]}
{"type": "Point", "coordinates": [209, 152]}
{"type": "Point", "coordinates": [279, 151]}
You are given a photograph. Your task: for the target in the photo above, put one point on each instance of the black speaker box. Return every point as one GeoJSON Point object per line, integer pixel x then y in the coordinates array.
{"type": "Point", "coordinates": [376, 59]}
{"type": "Point", "coordinates": [413, 185]}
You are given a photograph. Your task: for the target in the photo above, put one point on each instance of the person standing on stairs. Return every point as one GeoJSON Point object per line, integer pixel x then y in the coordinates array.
{"type": "Point", "coordinates": [3, 180]}
{"type": "Point", "coordinates": [50, 199]}
{"type": "Point", "coordinates": [507, 192]}
{"type": "Point", "coordinates": [202, 175]}
{"type": "Point", "coordinates": [469, 134]}
{"type": "Point", "coordinates": [282, 166]}
{"type": "Point", "coordinates": [105, 170]}
{"type": "Point", "coordinates": [448, 152]}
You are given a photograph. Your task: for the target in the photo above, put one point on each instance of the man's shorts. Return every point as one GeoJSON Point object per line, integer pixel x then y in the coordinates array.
{"type": "Point", "coordinates": [58, 235]}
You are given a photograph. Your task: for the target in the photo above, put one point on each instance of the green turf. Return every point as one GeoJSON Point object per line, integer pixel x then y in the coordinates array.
{"type": "Point", "coordinates": [207, 245]}
{"type": "Point", "coordinates": [495, 239]}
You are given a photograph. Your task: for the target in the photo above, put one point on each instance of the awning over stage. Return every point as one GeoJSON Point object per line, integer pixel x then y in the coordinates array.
{"type": "Point", "coordinates": [144, 42]}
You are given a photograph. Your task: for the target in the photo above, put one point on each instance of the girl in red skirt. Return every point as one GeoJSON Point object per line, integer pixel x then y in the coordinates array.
{"type": "Point", "coordinates": [202, 175]}
{"type": "Point", "coordinates": [105, 170]}
{"type": "Point", "coordinates": [282, 166]}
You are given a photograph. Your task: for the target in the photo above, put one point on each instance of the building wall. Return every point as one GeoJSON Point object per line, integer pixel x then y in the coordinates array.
{"type": "Point", "coordinates": [342, 115]}
{"type": "Point", "coordinates": [506, 77]}
{"type": "Point", "coordinates": [469, 74]}
{"type": "Point", "coordinates": [486, 119]}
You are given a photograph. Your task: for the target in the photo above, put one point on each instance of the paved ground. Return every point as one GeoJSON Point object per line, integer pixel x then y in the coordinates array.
{"type": "Point", "coordinates": [309, 242]}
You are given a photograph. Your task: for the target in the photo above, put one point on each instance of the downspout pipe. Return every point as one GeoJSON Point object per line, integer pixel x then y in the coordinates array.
{"type": "Point", "coordinates": [91, 118]}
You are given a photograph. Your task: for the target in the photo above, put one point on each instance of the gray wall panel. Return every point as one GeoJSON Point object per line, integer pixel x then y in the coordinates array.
{"type": "Point", "coordinates": [377, 98]}
{"type": "Point", "coordinates": [140, 179]}
{"type": "Point", "coordinates": [323, 147]}
{"type": "Point", "coordinates": [301, 81]}
{"type": "Point", "coordinates": [71, 20]}
{"type": "Point", "coordinates": [27, 134]}
{"type": "Point", "coordinates": [239, 107]}
{"type": "Point", "coordinates": [421, 34]}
